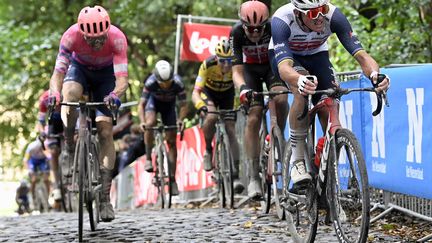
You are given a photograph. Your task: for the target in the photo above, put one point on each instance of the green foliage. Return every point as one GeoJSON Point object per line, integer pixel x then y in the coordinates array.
{"type": "Point", "coordinates": [30, 31]}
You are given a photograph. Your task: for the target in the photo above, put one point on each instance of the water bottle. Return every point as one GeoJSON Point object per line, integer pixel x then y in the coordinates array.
{"type": "Point", "coordinates": [318, 151]}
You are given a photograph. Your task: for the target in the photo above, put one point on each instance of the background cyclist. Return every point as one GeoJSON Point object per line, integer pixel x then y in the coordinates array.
{"type": "Point", "coordinates": [214, 88]}
{"type": "Point", "coordinates": [159, 95]}
{"type": "Point", "coordinates": [250, 38]}
{"type": "Point", "coordinates": [94, 61]}
{"type": "Point", "coordinates": [36, 160]}
{"type": "Point", "coordinates": [300, 30]}
{"type": "Point", "coordinates": [53, 144]}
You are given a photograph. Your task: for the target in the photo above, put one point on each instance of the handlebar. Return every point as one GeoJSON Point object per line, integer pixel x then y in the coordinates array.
{"type": "Point", "coordinates": [338, 92]}
{"type": "Point", "coordinates": [270, 93]}
{"type": "Point", "coordinates": [112, 107]}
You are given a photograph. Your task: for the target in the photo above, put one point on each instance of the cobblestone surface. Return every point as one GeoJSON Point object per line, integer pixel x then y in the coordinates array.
{"type": "Point", "coordinates": [154, 225]}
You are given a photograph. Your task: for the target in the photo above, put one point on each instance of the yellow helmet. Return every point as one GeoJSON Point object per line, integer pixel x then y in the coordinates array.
{"type": "Point", "coordinates": [223, 49]}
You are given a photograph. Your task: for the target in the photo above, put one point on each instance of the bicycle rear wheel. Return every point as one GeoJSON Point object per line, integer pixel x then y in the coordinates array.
{"type": "Point", "coordinates": [227, 170]}
{"type": "Point", "coordinates": [266, 180]}
{"type": "Point", "coordinates": [164, 177]}
{"type": "Point", "coordinates": [277, 145]}
{"type": "Point", "coordinates": [301, 211]}
{"type": "Point", "coordinates": [348, 189]}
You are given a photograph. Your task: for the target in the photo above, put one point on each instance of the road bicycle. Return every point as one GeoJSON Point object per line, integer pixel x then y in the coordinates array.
{"type": "Point", "coordinates": [40, 202]}
{"type": "Point", "coordinates": [223, 162]}
{"type": "Point", "coordinates": [340, 182]}
{"type": "Point", "coordinates": [162, 178]}
{"type": "Point", "coordinates": [272, 147]}
{"type": "Point", "coordinates": [86, 165]}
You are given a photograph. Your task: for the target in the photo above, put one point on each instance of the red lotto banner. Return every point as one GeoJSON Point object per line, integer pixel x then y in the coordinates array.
{"type": "Point", "coordinates": [190, 174]}
{"type": "Point", "coordinates": [199, 40]}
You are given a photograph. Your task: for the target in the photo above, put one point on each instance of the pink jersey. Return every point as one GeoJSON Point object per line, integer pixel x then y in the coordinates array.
{"type": "Point", "coordinates": [114, 51]}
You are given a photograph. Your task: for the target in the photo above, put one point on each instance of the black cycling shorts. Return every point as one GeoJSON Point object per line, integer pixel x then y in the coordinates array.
{"type": "Point", "coordinates": [222, 100]}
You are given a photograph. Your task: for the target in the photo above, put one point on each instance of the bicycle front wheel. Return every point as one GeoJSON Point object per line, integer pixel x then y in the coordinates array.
{"type": "Point", "coordinates": [164, 167]}
{"type": "Point", "coordinates": [348, 189]}
{"type": "Point", "coordinates": [218, 173]}
{"type": "Point", "coordinates": [93, 186]}
{"type": "Point", "coordinates": [266, 180]}
{"type": "Point", "coordinates": [81, 158]}
{"type": "Point", "coordinates": [227, 170]}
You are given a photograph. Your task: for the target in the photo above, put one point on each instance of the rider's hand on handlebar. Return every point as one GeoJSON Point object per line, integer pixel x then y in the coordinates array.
{"type": "Point", "coordinates": [381, 82]}
{"type": "Point", "coordinates": [180, 124]}
{"type": "Point", "coordinates": [54, 98]}
{"type": "Point", "coordinates": [112, 100]}
{"type": "Point", "coordinates": [202, 111]}
{"type": "Point", "coordinates": [307, 84]}
{"type": "Point", "coordinates": [245, 95]}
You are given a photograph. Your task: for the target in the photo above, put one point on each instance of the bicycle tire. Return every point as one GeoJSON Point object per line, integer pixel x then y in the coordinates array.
{"type": "Point", "coordinates": [266, 181]}
{"type": "Point", "coordinates": [164, 177]}
{"type": "Point", "coordinates": [92, 176]}
{"type": "Point", "coordinates": [218, 174]}
{"type": "Point", "coordinates": [81, 159]}
{"type": "Point", "coordinates": [301, 213]}
{"type": "Point", "coordinates": [344, 189]}
{"type": "Point", "coordinates": [277, 145]}
{"type": "Point", "coordinates": [227, 174]}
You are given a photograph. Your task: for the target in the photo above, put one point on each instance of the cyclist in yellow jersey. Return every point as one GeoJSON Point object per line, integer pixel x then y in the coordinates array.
{"type": "Point", "coordinates": [214, 88]}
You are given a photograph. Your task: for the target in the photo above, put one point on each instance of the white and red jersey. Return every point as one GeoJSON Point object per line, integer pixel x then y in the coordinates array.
{"type": "Point", "coordinates": [114, 51]}
{"type": "Point", "coordinates": [288, 37]}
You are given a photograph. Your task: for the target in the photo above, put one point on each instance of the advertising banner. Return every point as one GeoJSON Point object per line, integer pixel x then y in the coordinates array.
{"type": "Point", "coordinates": [199, 40]}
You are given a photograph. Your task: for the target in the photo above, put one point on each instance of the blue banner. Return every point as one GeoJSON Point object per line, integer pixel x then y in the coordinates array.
{"type": "Point", "coordinates": [395, 143]}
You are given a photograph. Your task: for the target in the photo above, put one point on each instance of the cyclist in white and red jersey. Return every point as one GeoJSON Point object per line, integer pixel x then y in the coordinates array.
{"type": "Point", "coordinates": [249, 39]}
{"type": "Point", "coordinates": [55, 127]}
{"type": "Point", "coordinates": [92, 59]}
{"type": "Point", "coordinates": [300, 31]}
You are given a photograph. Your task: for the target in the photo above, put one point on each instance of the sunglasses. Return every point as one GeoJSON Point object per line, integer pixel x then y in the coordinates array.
{"type": "Point", "coordinates": [254, 29]}
{"type": "Point", "coordinates": [94, 41]}
{"type": "Point", "coordinates": [225, 60]}
{"type": "Point", "coordinates": [314, 13]}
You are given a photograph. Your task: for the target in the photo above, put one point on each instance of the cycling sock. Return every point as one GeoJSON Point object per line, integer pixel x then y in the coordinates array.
{"type": "Point", "coordinates": [298, 144]}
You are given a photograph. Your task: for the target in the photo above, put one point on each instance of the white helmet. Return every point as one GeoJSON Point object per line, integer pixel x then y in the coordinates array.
{"type": "Point", "coordinates": [163, 71]}
{"type": "Point", "coordinates": [308, 4]}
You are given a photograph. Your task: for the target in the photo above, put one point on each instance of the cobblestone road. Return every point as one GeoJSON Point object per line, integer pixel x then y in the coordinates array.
{"type": "Point", "coordinates": [152, 225]}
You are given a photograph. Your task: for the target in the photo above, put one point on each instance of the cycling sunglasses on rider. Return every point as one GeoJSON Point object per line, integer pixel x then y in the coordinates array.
{"type": "Point", "coordinates": [224, 61]}
{"type": "Point", "coordinates": [254, 29]}
{"type": "Point", "coordinates": [314, 13]}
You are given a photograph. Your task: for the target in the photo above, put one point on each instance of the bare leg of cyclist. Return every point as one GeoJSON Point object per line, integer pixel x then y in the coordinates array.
{"type": "Point", "coordinates": [150, 121]}
{"type": "Point", "coordinates": [252, 151]}
{"type": "Point", "coordinates": [172, 156]}
{"type": "Point", "coordinates": [107, 157]}
{"type": "Point", "coordinates": [298, 133]}
{"type": "Point", "coordinates": [230, 128]}
{"type": "Point", "coordinates": [72, 91]}
{"type": "Point", "coordinates": [209, 131]}
{"type": "Point", "coordinates": [282, 107]}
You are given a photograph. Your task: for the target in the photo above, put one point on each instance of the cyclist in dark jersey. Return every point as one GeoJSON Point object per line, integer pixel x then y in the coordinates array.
{"type": "Point", "coordinates": [299, 32]}
{"type": "Point", "coordinates": [159, 96]}
{"type": "Point", "coordinates": [214, 87]}
{"type": "Point", "coordinates": [249, 39]}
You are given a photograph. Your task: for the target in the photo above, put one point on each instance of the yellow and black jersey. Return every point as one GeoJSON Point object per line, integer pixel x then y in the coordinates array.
{"type": "Point", "coordinates": [211, 76]}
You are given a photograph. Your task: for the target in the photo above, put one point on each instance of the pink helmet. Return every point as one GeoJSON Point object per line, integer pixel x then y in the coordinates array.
{"type": "Point", "coordinates": [254, 13]}
{"type": "Point", "coordinates": [94, 22]}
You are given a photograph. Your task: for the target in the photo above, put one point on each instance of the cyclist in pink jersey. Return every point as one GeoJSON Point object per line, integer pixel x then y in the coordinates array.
{"type": "Point", "coordinates": [92, 60]}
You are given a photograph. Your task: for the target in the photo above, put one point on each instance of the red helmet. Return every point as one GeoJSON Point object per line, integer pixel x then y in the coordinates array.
{"type": "Point", "coordinates": [254, 13]}
{"type": "Point", "coordinates": [94, 22]}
